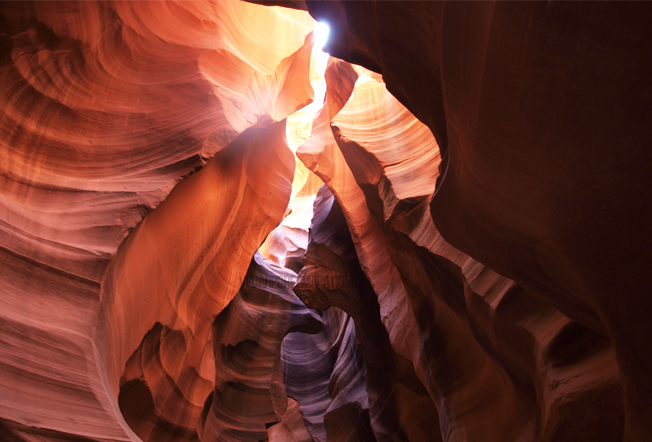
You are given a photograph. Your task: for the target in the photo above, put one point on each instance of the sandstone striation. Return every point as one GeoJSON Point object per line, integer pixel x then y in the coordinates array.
{"type": "Point", "coordinates": [105, 107]}
{"type": "Point", "coordinates": [452, 244]}
{"type": "Point", "coordinates": [450, 297]}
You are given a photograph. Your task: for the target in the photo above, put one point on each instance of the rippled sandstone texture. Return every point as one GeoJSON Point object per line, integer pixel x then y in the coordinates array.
{"type": "Point", "coordinates": [144, 162]}
{"type": "Point", "coordinates": [105, 107]}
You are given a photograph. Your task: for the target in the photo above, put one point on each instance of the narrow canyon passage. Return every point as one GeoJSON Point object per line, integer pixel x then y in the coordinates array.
{"type": "Point", "coordinates": [325, 221]}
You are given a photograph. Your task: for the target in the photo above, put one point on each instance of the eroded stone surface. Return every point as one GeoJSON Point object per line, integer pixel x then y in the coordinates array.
{"type": "Point", "coordinates": [448, 297]}
{"type": "Point", "coordinates": [479, 257]}
{"type": "Point", "coordinates": [541, 111]}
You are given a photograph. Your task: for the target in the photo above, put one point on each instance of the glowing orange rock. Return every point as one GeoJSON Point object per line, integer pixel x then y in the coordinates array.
{"type": "Point", "coordinates": [105, 107]}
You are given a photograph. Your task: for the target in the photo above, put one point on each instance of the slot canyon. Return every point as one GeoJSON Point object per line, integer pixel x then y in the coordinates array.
{"type": "Point", "coordinates": [325, 221]}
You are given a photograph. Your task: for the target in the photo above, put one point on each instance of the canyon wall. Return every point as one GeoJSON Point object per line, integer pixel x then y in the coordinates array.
{"type": "Point", "coordinates": [142, 165]}
{"type": "Point", "coordinates": [474, 270]}
{"type": "Point", "coordinates": [541, 112]}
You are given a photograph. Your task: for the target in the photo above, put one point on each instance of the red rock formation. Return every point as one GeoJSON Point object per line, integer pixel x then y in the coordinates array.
{"type": "Point", "coordinates": [449, 296]}
{"type": "Point", "coordinates": [542, 112]}
{"type": "Point", "coordinates": [487, 203]}
{"type": "Point", "coordinates": [184, 282]}
{"type": "Point", "coordinates": [105, 106]}
{"type": "Point", "coordinates": [291, 428]}
{"type": "Point", "coordinates": [323, 156]}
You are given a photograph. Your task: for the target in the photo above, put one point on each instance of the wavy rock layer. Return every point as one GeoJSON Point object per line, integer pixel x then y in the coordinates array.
{"type": "Point", "coordinates": [105, 107]}
{"type": "Point", "coordinates": [541, 112]}
{"type": "Point", "coordinates": [488, 385]}
{"type": "Point", "coordinates": [187, 268]}
{"type": "Point", "coordinates": [324, 373]}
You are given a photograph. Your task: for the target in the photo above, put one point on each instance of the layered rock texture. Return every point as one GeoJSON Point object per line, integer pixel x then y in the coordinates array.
{"type": "Point", "coordinates": [453, 244]}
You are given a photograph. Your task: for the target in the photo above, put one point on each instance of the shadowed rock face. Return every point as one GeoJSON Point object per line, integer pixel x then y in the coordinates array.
{"type": "Point", "coordinates": [478, 262]}
{"type": "Point", "coordinates": [443, 310]}
{"type": "Point", "coordinates": [332, 276]}
{"type": "Point", "coordinates": [542, 112]}
{"type": "Point", "coordinates": [324, 373]}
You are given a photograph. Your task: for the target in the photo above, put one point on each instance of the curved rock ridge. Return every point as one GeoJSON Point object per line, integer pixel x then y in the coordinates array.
{"type": "Point", "coordinates": [249, 393]}
{"type": "Point", "coordinates": [460, 297]}
{"type": "Point", "coordinates": [347, 416]}
{"type": "Point", "coordinates": [292, 427]}
{"type": "Point", "coordinates": [150, 399]}
{"type": "Point", "coordinates": [541, 114]}
{"type": "Point", "coordinates": [211, 223]}
{"type": "Point", "coordinates": [404, 307]}
{"type": "Point", "coordinates": [307, 365]}
{"type": "Point", "coordinates": [403, 145]}
{"type": "Point", "coordinates": [522, 334]}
